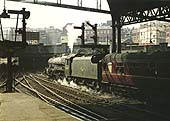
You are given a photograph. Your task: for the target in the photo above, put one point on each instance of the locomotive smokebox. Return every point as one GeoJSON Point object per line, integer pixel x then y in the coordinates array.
{"type": "Point", "coordinates": [96, 58]}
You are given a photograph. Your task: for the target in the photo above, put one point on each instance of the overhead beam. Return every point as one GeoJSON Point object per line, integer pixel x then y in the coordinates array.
{"type": "Point", "coordinates": [63, 6]}
{"type": "Point", "coordinates": [127, 18]}
{"type": "Point", "coordinates": [159, 13]}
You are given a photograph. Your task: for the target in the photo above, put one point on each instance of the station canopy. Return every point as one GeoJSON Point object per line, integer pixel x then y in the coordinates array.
{"type": "Point", "coordinates": [122, 7]}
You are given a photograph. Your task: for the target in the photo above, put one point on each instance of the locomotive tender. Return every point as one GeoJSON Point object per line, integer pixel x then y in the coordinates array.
{"type": "Point", "coordinates": [144, 72]}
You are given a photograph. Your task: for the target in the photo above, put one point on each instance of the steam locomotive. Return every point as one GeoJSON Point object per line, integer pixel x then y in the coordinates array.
{"type": "Point", "coordinates": [139, 74]}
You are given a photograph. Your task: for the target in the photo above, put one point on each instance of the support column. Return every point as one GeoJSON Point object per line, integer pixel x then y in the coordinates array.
{"type": "Point", "coordinates": [10, 74]}
{"type": "Point", "coordinates": [24, 27]}
{"type": "Point", "coordinates": [118, 26]}
{"type": "Point", "coordinates": [113, 36]}
{"type": "Point", "coordinates": [119, 39]}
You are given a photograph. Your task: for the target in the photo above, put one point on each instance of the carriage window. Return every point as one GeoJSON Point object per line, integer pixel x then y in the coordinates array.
{"type": "Point", "coordinates": [120, 68]}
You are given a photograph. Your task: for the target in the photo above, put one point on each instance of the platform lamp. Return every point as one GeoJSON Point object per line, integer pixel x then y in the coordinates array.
{"type": "Point", "coordinates": [4, 13]}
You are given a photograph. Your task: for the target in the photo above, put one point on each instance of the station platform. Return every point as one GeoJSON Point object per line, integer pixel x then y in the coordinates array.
{"type": "Point", "coordinates": [21, 107]}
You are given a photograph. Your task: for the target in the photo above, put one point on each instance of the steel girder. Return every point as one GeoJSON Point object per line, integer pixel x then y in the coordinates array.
{"type": "Point", "coordinates": [59, 4]}
{"type": "Point", "coordinates": [130, 16]}
{"type": "Point", "coordinates": [160, 13]}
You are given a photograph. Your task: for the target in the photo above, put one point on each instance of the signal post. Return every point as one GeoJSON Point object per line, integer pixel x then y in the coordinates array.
{"type": "Point", "coordinates": [8, 47]}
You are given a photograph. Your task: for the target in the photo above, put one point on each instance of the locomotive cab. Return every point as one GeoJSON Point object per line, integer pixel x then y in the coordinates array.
{"type": "Point", "coordinates": [68, 62]}
{"type": "Point", "coordinates": [67, 67]}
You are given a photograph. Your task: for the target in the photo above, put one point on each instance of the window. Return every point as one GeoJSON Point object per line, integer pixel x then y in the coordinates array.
{"type": "Point", "coordinates": [120, 68]}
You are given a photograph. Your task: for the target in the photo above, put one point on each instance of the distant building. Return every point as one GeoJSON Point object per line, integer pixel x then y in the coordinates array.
{"type": "Point", "coordinates": [153, 32]}
{"type": "Point", "coordinates": [50, 36]}
{"type": "Point", "coordinates": [168, 34]}
{"type": "Point", "coordinates": [47, 36]}
{"type": "Point", "coordinates": [104, 34]}
{"type": "Point", "coordinates": [126, 35]}
{"type": "Point", "coordinates": [136, 35]}
{"type": "Point", "coordinates": [9, 34]}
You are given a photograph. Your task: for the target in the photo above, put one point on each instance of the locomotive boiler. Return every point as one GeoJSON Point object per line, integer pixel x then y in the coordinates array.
{"type": "Point", "coordinates": [56, 67]}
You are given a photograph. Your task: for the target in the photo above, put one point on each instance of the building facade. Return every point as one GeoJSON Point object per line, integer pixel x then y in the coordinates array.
{"type": "Point", "coordinates": [50, 36]}
{"type": "Point", "coordinates": [153, 32]}
{"type": "Point", "coordinates": [47, 36]}
{"type": "Point", "coordinates": [104, 34]}
{"type": "Point", "coordinates": [168, 34]}
{"type": "Point", "coordinates": [135, 35]}
{"type": "Point", "coordinates": [148, 33]}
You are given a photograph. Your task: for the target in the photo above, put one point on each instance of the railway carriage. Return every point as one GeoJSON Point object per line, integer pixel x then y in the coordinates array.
{"type": "Point", "coordinates": [148, 72]}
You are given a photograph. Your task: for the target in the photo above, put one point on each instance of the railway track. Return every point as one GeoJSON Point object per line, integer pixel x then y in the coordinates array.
{"type": "Point", "coordinates": [80, 96]}
{"type": "Point", "coordinates": [55, 99]}
{"type": "Point", "coordinates": [106, 109]}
